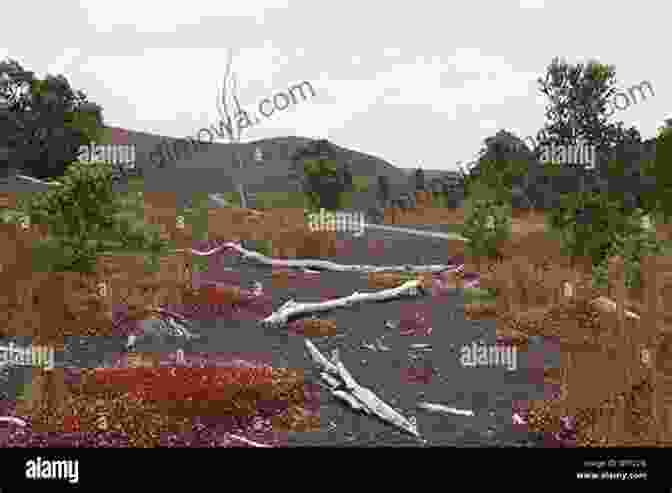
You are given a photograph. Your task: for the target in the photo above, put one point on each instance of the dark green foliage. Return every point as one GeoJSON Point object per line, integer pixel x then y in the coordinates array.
{"type": "Point", "coordinates": [598, 226]}
{"type": "Point", "coordinates": [632, 246]}
{"type": "Point", "coordinates": [578, 96]}
{"type": "Point", "coordinates": [43, 122]}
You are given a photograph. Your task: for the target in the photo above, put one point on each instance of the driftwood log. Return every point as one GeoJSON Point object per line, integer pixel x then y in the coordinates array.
{"type": "Point", "coordinates": [291, 308]}
{"type": "Point", "coordinates": [317, 264]}
{"type": "Point", "coordinates": [344, 387]}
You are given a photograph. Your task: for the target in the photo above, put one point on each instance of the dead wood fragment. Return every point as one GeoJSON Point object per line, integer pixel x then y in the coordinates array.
{"type": "Point", "coordinates": [291, 308]}
{"type": "Point", "coordinates": [358, 397]}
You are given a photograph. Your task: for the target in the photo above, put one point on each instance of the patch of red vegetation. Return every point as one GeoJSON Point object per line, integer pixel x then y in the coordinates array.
{"type": "Point", "coordinates": [148, 404]}
{"type": "Point", "coordinates": [188, 390]}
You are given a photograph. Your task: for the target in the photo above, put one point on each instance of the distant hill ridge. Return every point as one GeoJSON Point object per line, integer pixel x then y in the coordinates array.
{"type": "Point", "coordinates": [207, 170]}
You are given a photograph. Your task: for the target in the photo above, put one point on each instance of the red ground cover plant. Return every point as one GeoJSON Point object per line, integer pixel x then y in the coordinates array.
{"type": "Point", "coordinates": [169, 406]}
{"type": "Point", "coordinates": [189, 392]}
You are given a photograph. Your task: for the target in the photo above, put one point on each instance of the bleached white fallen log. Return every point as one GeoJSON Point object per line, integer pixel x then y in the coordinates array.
{"type": "Point", "coordinates": [438, 408]}
{"type": "Point", "coordinates": [610, 306]}
{"type": "Point", "coordinates": [13, 420]}
{"type": "Point", "coordinates": [291, 308]}
{"type": "Point", "coordinates": [320, 360]}
{"type": "Point", "coordinates": [344, 374]}
{"type": "Point", "coordinates": [351, 400]}
{"type": "Point", "coordinates": [358, 397]}
{"type": "Point", "coordinates": [333, 383]}
{"type": "Point", "coordinates": [315, 263]}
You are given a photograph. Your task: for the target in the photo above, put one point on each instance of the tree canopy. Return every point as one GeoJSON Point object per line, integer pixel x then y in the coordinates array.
{"type": "Point", "coordinates": [43, 122]}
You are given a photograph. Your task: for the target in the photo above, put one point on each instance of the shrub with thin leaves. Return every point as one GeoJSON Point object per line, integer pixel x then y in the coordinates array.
{"type": "Point", "coordinates": [588, 224]}
{"type": "Point", "coordinates": [632, 246]}
{"type": "Point", "coordinates": [486, 225]}
{"type": "Point", "coordinates": [86, 217]}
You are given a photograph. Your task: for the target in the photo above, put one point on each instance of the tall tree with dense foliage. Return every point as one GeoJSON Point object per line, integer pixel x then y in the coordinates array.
{"type": "Point", "coordinates": [43, 122]}
{"type": "Point", "coordinates": [578, 96]}
{"type": "Point", "coordinates": [499, 171]}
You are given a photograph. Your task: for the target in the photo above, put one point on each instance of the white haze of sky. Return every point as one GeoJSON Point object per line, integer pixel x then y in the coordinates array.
{"type": "Point", "coordinates": [417, 84]}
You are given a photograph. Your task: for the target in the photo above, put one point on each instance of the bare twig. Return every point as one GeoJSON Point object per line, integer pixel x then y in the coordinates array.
{"type": "Point", "coordinates": [438, 408]}
{"type": "Point", "coordinates": [13, 420]}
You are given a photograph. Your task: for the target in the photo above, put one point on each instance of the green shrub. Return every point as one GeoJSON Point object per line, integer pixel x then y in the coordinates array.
{"type": "Point", "coordinates": [587, 224]}
{"type": "Point", "coordinates": [486, 225]}
{"type": "Point", "coordinates": [86, 218]}
{"type": "Point", "coordinates": [632, 245]}
{"type": "Point", "coordinates": [600, 226]}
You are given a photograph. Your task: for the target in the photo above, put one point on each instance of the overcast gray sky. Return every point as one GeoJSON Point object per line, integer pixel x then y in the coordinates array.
{"type": "Point", "coordinates": [416, 83]}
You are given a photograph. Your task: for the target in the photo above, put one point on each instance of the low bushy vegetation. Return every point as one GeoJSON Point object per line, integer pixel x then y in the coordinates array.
{"type": "Point", "coordinates": [487, 224]}
{"type": "Point", "coordinates": [85, 218]}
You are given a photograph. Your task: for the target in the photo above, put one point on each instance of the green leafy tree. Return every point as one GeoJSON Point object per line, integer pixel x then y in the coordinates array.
{"type": "Point", "coordinates": [498, 172]}
{"type": "Point", "coordinates": [43, 122]}
{"type": "Point", "coordinates": [85, 218]}
{"type": "Point", "coordinates": [578, 96]}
